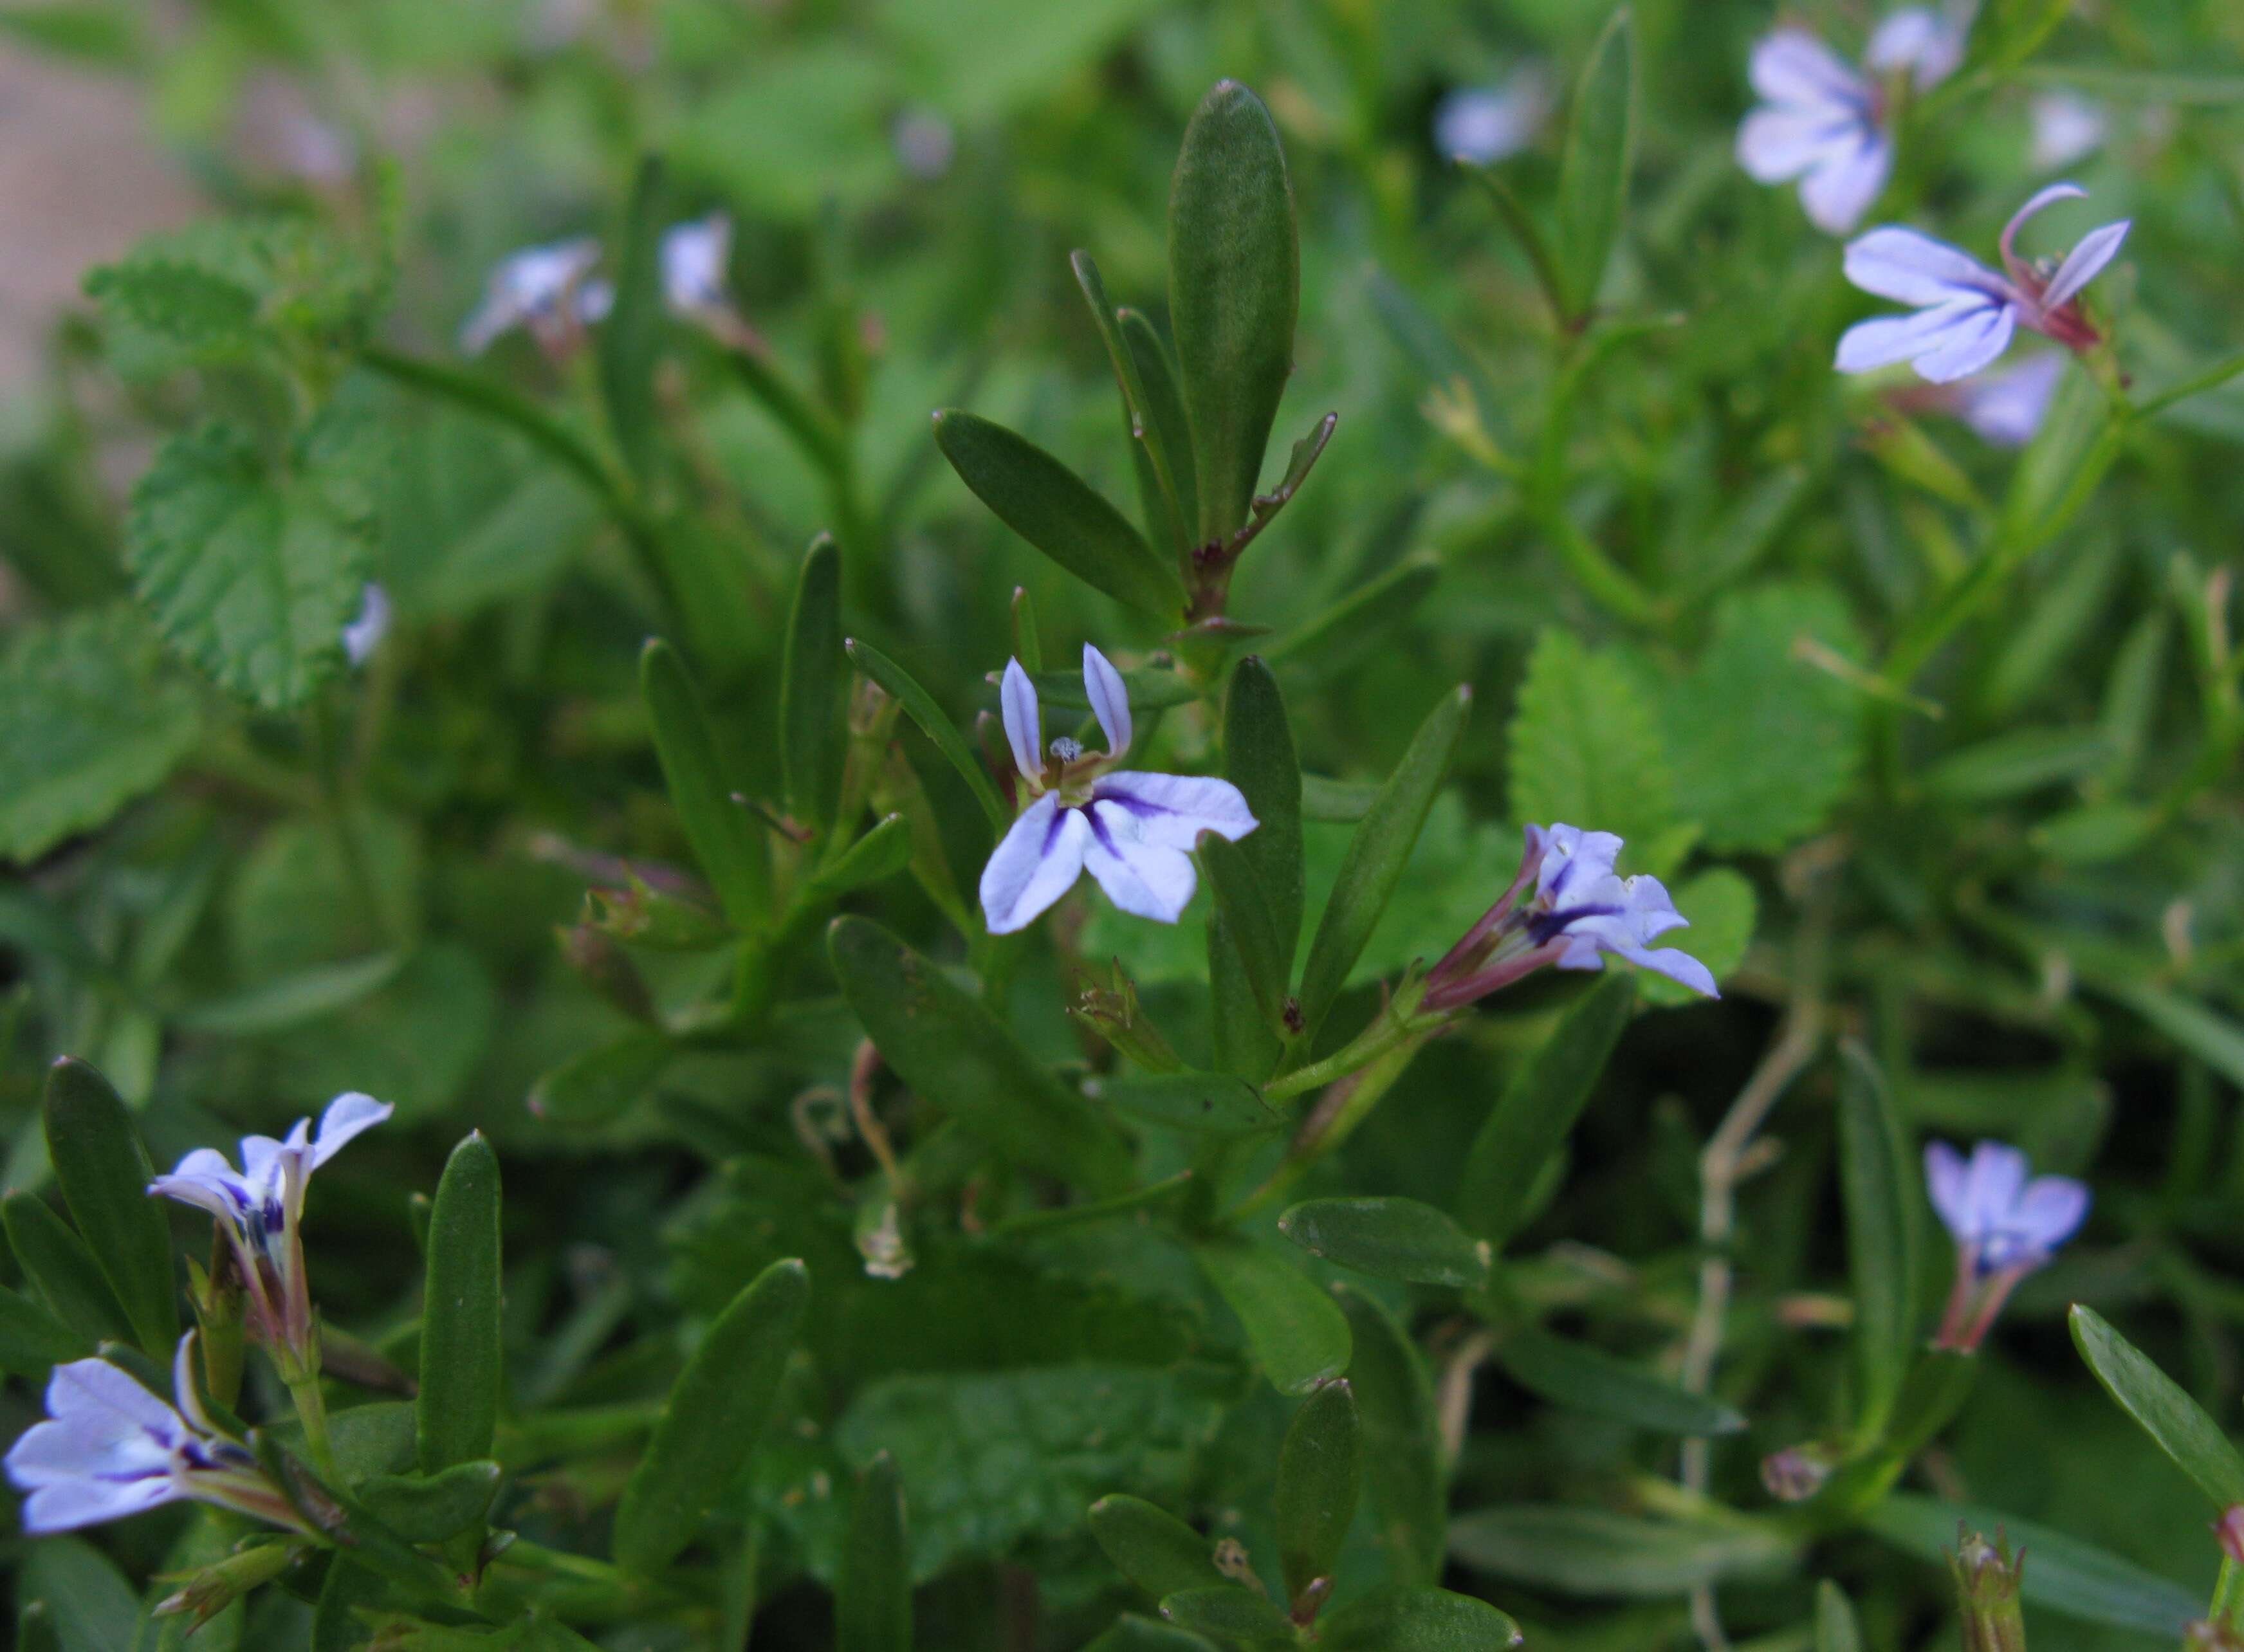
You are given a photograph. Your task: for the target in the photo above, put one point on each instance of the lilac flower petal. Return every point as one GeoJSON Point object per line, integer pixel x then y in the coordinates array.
{"type": "Point", "coordinates": [2006, 408]}
{"type": "Point", "coordinates": [1144, 878]}
{"type": "Point", "coordinates": [1650, 908]}
{"type": "Point", "coordinates": [1573, 859]}
{"type": "Point", "coordinates": [694, 255]}
{"type": "Point", "coordinates": [1885, 339]}
{"type": "Point", "coordinates": [186, 1391]}
{"type": "Point", "coordinates": [1947, 1181]}
{"type": "Point", "coordinates": [595, 302]}
{"type": "Point", "coordinates": [363, 635]}
{"type": "Point", "coordinates": [68, 1504]}
{"type": "Point", "coordinates": [1582, 951]}
{"type": "Point", "coordinates": [1846, 183]}
{"type": "Point", "coordinates": [1038, 862]}
{"type": "Point", "coordinates": [1173, 810]}
{"type": "Point", "coordinates": [1901, 38]}
{"type": "Point", "coordinates": [1792, 66]}
{"type": "Point", "coordinates": [1017, 700]}
{"type": "Point", "coordinates": [2035, 203]}
{"type": "Point", "coordinates": [1996, 1177]}
{"type": "Point", "coordinates": [1483, 125]}
{"type": "Point", "coordinates": [1776, 143]}
{"type": "Point", "coordinates": [2065, 127]}
{"type": "Point", "coordinates": [1110, 700]}
{"type": "Point", "coordinates": [1970, 345]}
{"type": "Point", "coordinates": [534, 283]}
{"type": "Point", "coordinates": [261, 1164]}
{"type": "Point", "coordinates": [2084, 263]}
{"type": "Point", "coordinates": [1900, 264]}
{"type": "Point", "coordinates": [204, 1179]}
{"type": "Point", "coordinates": [349, 1114]}
{"type": "Point", "coordinates": [2050, 1211]}
{"type": "Point", "coordinates": [97, 1396]}
{"type": "Point", "coordinates": [1678, 966]}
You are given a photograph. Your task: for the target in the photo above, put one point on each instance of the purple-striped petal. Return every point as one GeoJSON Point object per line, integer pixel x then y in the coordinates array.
{"type": "Point", "coordinates": [1910, 268]}
{"type": "Point", "coordinates": [1847, 182]}
{"type": "Point", "coordinates": [1143, 877]}
{"type": "Point", "coordinates": [1973, 343]}
{"type": "Point", "coordinates": [1173, 810]}
{"type": "Point", "coordinates": [1110, 700]}
{"type": "Point", "coordinates": [1884, 339]}
{"type": "Point", "coordinates": [1037, 863]}
{"type": "Point", "coordinates": [68, 1504]}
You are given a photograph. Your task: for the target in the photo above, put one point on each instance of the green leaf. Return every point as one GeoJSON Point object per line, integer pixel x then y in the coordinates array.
{"type": "Point", "coordinates": [872, 1605]}
{"type": "Point", "coordinates": [2212, 1037]}
{"type": "Point", "coordinates": [60, 1266]}
{"type": "Point", "coordinates": [89, 721]}
{"type": "Point", "coordinates": [1393, 1239]}
{"type": "Point", "coordinates": [462, 1370]}
{"type": "Point", "coordinates": [428, 1508]}
{"type": "Point", "coordinates": [1060, 514]}
{"type": "Point", "coordinates": [990, 1457]}
{"type": "Point", "coordinates": [1593, 173]}
{"type": "Point", "coordinates": [251, 568]}
{"type": "Point", "coordinates": [1259, 759]}
{"type": "Point", "coordinates": [85, 1601]}
{"type": "Point", "coordinates": [1402, 1451]}
{"type": "Point", "coordinates": [813, 736]}
{"type": "Point", "coordinates": [1764, 745]}
{"type": "Point", "coordinates": [1358, 622]}
{"type": "Point", "coordinates": [344, 1522]}
{"type": "Point", "coordinates": [1586, 748]}
{"type": "Point", "coordinates": [1234, 292]}
{"type": "Point", "coordinates": [2022, 760]}
{"type": "Point", "coordinates": [104, 1174]}
{"type": "Point", "coordinates": [919, 706]}
{"type": "Point", "coordinates": [1835, 1628]}
{"type": "Point", "coordinates": [2177, 1425]}
{"type": "Point", "coordinates": [337, 1624]}
{"type": "Point", "coordinates": [1875, 1171]}
{"type": "Point", "coordinates": [1157, 434]}
{"type": "Point", "coordinates": [881, 852]}
{"type": "Point", "coordinates": [1319, 1476]}
{"type": "Point", "coordinates": [1250, 927]}
{"type": "Point", "coordinates": [1151, 688]}
{"type": "Point", "coordinates": [727, 840]}
{"type": "Point", "coordinates": [1130, 1633]}
{"type": "Point", "coordinates": [948, 1047]}
{"type": "Point", "coordinates": [1407, 1619]}
{"type": "Point", "coordinates": [1377, 855]}
{"type": "Point", "coordinates": [1246, 1038]}
{"type": "Point", "coordinates": [713, 1422]}
{"type": "Point", "coordinates": [630, 338]}
{"type": "Point", "coordinates": [1166, 420]}
{"type": "Point", "coordinates": [290, 1000]}
{"type": "Point", "coordinates": [1217, 1103]}
{"type": "Point", "coordinates": [2066, 1574]}
{"type": "Point", "coordinates": [1299, 1335]}
{"type": "Point", "coordinates": [1596, 1552]}
{"type": "Point", "coordinates": [1574, 1374]}
{"type": "Point", "coordinates": [1152, 1547]}
{"type": "Point", "coordinates": [1536, 1112]}
{"type": "Point", "coordinates": [31, 1339]}
{"type": "Point", "coordinates": [1231, 1614]}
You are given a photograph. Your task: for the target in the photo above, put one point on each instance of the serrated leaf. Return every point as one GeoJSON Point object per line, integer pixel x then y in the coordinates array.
{"type": "Point", "coordinates": [1762, 745]}
{"type": "Point", "coordinates": [252, 568]}
{"type": "Point", "coordinates": [1586, 748]}
{"type": "Point", "coordinates": [1235, 291]}
{"type": "Point", "coordinates": [89, 721]}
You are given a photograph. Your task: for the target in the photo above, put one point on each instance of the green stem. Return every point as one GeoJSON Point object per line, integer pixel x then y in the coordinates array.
{"type": "Point", "coordinates": [312, 1411]}
{"type": "Point", "coordinates": [334, 804]}
{"type": "Point", "coordinates": [1376, 1041]}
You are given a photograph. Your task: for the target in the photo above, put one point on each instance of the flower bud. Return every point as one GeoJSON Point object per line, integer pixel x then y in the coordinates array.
{"type": "Point", "coordinates": [2228, 1532]}
{"type": "Point", "coordinates": [594, 955]}
{"type": "Point", "coordinates": [208, 1591]}
{"type": "Point", "coordinates": [1111, 1010]}
{"type": "Point", "coordinates": [1797, 1472]}
{"type": "Point", "coordinates": [1987, 1579]}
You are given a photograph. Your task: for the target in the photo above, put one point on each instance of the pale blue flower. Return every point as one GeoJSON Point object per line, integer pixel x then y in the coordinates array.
{"type": "Point", "coordinates": [2006, 407]}
{"type": "Point", "coordinates": [1483, 124]}
{"type": "Point", "coordinates": [1132, 832]}
{"type": "Point", "coordinates": [1968, 313]}
{"type": "Point", "coordinates": [2066, 127]}
{"type": "Point", "coordinates": [258, 1210]}
{"type": "Point", "coordinates": [110, 1448]}
{"type": "Point", "coordinates": [541, 288]}
{"type": "Point", "coordinates": [363, 635]}
{"type": "Point", "coordinates": [2000, 1219]}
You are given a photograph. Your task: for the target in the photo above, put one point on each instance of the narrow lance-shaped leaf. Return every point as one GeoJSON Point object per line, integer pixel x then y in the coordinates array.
{"type": "Point", "coordinates": [631, 339]}
{"type": "Point", "coordinates": [713, 1422]}
{"type": "Point", "coordinates": [1233, 1615]}
{"type": "Point", "coordinates": [1593, 173]}
{"type": "Point", "coordinates": [1359, 621]}
{"type": "Point", "coordinates": [1536, 1112]}
{"type": "Point", "coordinates": [919, 706]}
{"type": "Point", "coordinates": [457, 1415]}
{"type": "Point", "coordinates": [727, 840]}
{"type": "Point", "coordinates": [1589, 1380]}
{"type": "Point", "coordinates": [1152, 1547]}
{"type": "Point", "coordinates": [1401, 1618]}
{"type": "Point", "coordinates": [812, 738]}
{"type": "Point", "coordinates": [948, 1048]}
{"type": "Point", "coordinates": [1319, 1476]}
{"type": "Point", "coordinates": [1835, 1628]}
{"type": "Point", "coordinates": [1391, 1237]}
{"type": "Point", "coordinates": [1218, 1103]}
{"type": "Point", "coordinates": [60, 1266]}
{"type": "Point", "coordinates": [1234, 294]}
{"type": "Point", "coordinates": [1250, 925]}
{"type": "Point", "coordinates": [1298, 1334]}
{"type": "Point", "coordinates": [31, 1339]}
{"type": "Point", "coordinates": [2176, 1424]}
{"type": "Point", "coordinates": [430, 1508]}
{"type": "Point", "coordinates": [1881, 1200]}
{"type": "Point", "coordinates": [104, 1174]}
{"type": "Point", "coordinates": [1166, 422]}
{"type": "Point", "coordinates": [1060, 514]}
{"type": "Point", "coordinates": [1403, 1452]}
{"type": "Point", "coordinates": [1148, 439]}
{"type": "Point", "coordinates": [1377, 855]}
{"type": "Point", "coordinates": [873, 1607]}
{"type": "Point", "coordinates": [1260, 759]}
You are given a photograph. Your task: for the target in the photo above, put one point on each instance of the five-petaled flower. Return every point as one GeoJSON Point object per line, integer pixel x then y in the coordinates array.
{"type": "Point", "coordinates": [258, 1209]}
{"type": "Point", "coordinates": [1968, 313]}
{"type": "Point", "coordinates": [1131, 830]}
{"type": "Point", "coordinates": [1825, 121]}
{"type": "Point", "coordinates": [694, 256]}
{"type": "Point", "coordinates": [110, 1448]}
{"type": "Point", "coordinates": [540, 287]}
{"type": "Point", "coordinates": [1582, 912]}
{"type": "Point", "coordinates": [2006, 1223]}
{"type": "Point", "coordinates": [1483, 125]}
